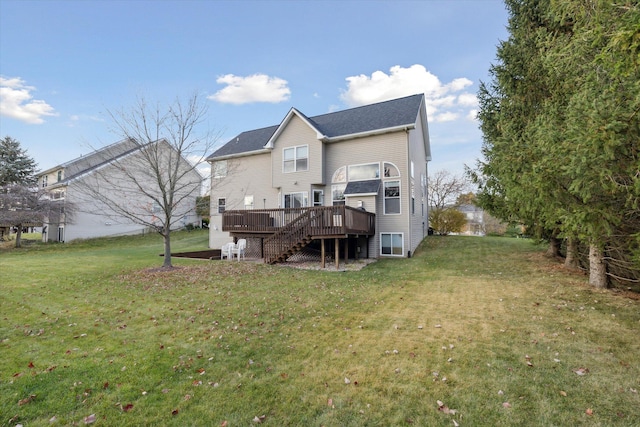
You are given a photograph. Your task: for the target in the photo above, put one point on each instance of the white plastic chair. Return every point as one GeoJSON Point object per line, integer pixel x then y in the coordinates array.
{"type": "Point", "coordinates": [239, 249]}
{"type": "Point", "coordinates": [227, 250]}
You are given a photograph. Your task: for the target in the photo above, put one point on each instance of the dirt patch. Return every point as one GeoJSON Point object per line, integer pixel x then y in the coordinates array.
{"type": "Point", "coordinates": [351, 265]}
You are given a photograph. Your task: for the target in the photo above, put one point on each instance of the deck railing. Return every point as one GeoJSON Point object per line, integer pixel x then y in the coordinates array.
{"type": "Point", "coordinates": [323, 220]}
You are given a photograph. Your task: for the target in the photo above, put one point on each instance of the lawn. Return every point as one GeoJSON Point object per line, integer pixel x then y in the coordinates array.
{"type": "Point", "coordinates": [469, 332]}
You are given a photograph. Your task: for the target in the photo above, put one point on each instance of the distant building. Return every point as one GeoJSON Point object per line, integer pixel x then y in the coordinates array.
{"type": "Point", "coordinates": [475, 220]}
{"type": "Point", "coordinates": [90, 218]}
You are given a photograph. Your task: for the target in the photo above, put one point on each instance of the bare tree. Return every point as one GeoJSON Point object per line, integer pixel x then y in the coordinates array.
{"type": "Point", "coordinates": [23, 206]}
{"type": "Point", "coordinates": [445, 189]}
{"type": "Point", "coordinates": [153, 179]}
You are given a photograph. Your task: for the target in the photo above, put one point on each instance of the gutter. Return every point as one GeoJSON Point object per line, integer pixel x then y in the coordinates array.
{"type": "Point", "coordinates": [405, 128]}
{"type": "Point", "coordinates": [238, 155]}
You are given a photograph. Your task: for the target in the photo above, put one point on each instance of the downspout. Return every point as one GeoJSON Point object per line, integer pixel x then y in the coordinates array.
{"type": "Point", "coordinates": [408, 186]}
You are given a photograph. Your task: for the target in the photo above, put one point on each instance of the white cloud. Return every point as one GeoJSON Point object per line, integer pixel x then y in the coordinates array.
{"type": "Point", "coordinates": [447, 116]}
{"type": "Point", "coordinates": [254, 88]}
{"type": "Point", "coordinates": [443, 102]}
{"type": "Point", "coordinates": [467, 100]}
{"type": "Point", "coordinates": [17, 102]}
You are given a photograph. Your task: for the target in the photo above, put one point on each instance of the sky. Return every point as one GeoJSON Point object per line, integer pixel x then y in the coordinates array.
{"type": "Point", "coordinates": [65, 65]}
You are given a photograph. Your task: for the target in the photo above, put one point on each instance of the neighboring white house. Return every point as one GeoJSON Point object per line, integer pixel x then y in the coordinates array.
{"type": "Point", "coordinates": [475, 220]}
{"type": "Point", "coordinates": [80, 182]}
{"type": "Point", "coordinates": [356, 177]}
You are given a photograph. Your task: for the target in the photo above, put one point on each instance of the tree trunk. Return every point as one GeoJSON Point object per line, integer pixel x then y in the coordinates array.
{"type": "Point", "coordinates": [597, 267]}
{"type": "Point", "coordinates": [166, 237]}
{"type": "Point", "coordinates": [553, 250]}
{"type": "Point", "coordinates": [571, 261]}
{"type": "Point", "coordinates": [19, 237]}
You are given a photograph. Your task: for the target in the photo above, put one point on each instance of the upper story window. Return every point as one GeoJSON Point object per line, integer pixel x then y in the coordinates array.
{"type": "Point", "coordinates": [59, 176]}
{"type": "Point", "coordinates": [295, 159]}
{"type": "Point", "coordinates": [390, 170]}
{"type": "Point", "coordinates": [45, 178]}
{"type": "Point", "coordinates": [222, 204]}
{"type": "Point", "coordinates": [391, 197]}
{"type": "Point", "coordinates": [364, 172]}
{"type": "Point", "coordinates": [340, 175]}
{"type": "Point", "coordinates": [219, 169]}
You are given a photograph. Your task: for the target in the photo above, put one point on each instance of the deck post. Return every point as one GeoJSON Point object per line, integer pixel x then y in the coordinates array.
{"type": "Point", "coordinates": [337, 254]}
{"type": "Point", "coordinates": [346, 250]}
{"type": "Point", "coordinates": [322, 253]}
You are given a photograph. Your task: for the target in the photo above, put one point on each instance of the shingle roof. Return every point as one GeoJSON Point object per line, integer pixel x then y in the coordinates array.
{"type": "Point", "coordinates": [362, 187]}
{"type": "Point", "coordinates": [368, 118]}
{"type": "Point", "coordinates": [96, 159]}
{"type": "Point", "coordinates": [248, 141]}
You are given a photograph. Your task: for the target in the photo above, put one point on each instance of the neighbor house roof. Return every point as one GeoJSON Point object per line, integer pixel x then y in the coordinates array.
{"type": "Point", "coordinates": [95, 159]}
{"type": "Point", "coordinates": [359, 121]}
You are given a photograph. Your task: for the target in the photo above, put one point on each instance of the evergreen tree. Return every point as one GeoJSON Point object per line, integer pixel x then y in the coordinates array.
{"type": "Point", "coordinates": [16, 167]}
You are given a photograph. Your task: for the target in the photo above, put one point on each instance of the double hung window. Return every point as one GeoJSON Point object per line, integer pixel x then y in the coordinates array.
{"type": "Point", "coordinates": [295, 159]}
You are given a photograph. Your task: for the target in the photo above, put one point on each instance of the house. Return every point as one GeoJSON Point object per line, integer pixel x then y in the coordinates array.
{"type": "Point", "coordinates": [475, 219]}
{"type": "Point", "coordinates": [355, 180]}
{"type": "Point", "coordinates": [80, 184]}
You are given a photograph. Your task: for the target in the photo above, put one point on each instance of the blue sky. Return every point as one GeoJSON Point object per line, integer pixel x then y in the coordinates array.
{"type": "Point", "coordinates": [65, 64]}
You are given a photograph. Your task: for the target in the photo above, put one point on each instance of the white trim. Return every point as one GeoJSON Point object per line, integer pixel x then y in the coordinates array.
{"type": "Point", "coordinates": [292, 112]}
{"type": "Point", "coordinates": [238, 155]}
{"type": "Point", "coordinates": [369, 133]}
{"type": "Point", "coordinates": [392, 164]}
{"type": "Point", "coordinates": [315, 191]}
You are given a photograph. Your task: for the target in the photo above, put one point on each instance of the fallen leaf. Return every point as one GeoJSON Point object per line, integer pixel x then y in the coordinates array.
{"type": "Point", "coordinates": [581, 371]}
{"type": "Point", "coordinates": [347, 380]}
{"type": "Point", "coordinates": [259, 419]}
{"type": "Point", "coordinates": [589, 411]}
{"type": "Point", "coordinates": [127, 407]}
{"type": "Point", "coordinates": [26, 400]}
{"type": "Point", "coordinates": [455, 424]}
{"type": "Point", "coordinates": [445, 409]}
{"type": "Point", "coordinates": [506, 405]}
{"type": "Point", "coordinates": [105, 385]}
{"type": "Point", "coordinates": [31, 365]}
{"type": "Point", "coordinates": [175, 412]}
{"type": "Point", "coordinates": [224, 423]}
{"type": "Point", "coordinates": [330, 402]}
{"type": "Point", "coordinates": [90, 419]}
{"type": "Point", "coordinates": [563, 393]}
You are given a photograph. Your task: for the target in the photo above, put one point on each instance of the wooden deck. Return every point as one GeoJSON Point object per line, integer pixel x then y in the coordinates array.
{"type": "Point", "coordinates": [286, 231]}
{"type": "Point", "coordinates": [324, 221]}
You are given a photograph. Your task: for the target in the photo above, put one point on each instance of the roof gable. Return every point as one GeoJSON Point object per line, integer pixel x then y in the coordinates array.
{"type": "Point", "coordinates": [360, 121]}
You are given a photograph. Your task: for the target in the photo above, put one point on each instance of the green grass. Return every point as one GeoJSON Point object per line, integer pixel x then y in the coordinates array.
{"type": "Point", "coordinates": [94, 328]}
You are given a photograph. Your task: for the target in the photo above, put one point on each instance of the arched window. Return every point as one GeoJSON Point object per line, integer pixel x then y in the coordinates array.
{"type": "Point", "coordinates": [390, 170]}
{"type": "Point", "coordinates": [340, 175]}
{"type": "Point", "coordinates": [338, 185]}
